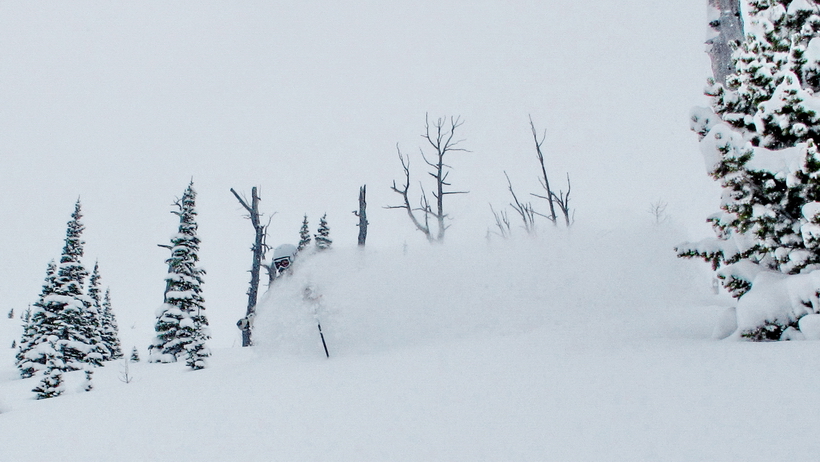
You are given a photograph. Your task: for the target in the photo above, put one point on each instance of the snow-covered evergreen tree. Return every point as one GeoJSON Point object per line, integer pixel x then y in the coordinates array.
{"type": "Point", "coordinates": [760, 140]}
{"type": "Point", "coordinates": [52, 383]}
{"type": "Point", "coordinates": [92, 319]}
{"type": "Point", "coordinates": [135, 355]}
{"type": "Point", "coordinates": [107, 329]}
{"type": "Point", "coordinates": [37, 327]}
{"type": "Point", "coordinates": [77, 335]}
{"type": "Point", "coordinates": [88, 384]}
{"type": "Point", "coordinates": [110, 332]}
{"type": "Point", "coordinates": [322, 237]}
{"type": "Point", "coordinates": [181, 325]}
{"type": "Point", "coordinates": [304, 236]}
{"type": "Point", "coordinates": [11, 313]}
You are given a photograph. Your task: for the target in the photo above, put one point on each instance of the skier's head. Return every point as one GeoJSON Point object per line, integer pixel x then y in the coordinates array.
{"type": "Point", "coordinates": [283, 257]}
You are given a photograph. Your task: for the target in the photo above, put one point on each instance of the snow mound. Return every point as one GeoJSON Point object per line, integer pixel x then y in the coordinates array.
{"type": "Point", "coordinates": [726, 324]}
{"type": "Point", "coordinates": [810, 326]}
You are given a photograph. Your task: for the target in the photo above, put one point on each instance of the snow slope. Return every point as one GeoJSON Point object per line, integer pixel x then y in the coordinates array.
{"type": "Point", "coordinates": [592, 347]}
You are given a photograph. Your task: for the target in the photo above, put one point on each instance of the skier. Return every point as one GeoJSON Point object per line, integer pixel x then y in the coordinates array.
{"type": "Point", "coordinates": [282, 263]}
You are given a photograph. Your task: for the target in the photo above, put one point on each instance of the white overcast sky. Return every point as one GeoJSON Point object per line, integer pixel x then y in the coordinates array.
{"type": "Point", "coordinates": [122, 103]}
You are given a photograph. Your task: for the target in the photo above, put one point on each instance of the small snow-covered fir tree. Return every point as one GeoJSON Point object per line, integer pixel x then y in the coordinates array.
{"type": "Point", "coordinates": [135, 355]}
{"type": "Point", "coordinates": [304, 236]}
{"type": "Point", "coordinates": [322, 237]}
{"type": "Point", "coordinates": [110, 332]}
{"type": "Point", "coordinates": [92, 320]}
{"type": "Point", "coordinates": [88, 384]}
{"type": "Point", "coordinates": [760, 140]}
{"type": "Point", "coordinates": [52, 383]}
{"type": "Point", "coordinates": [11, 313]}
{"type": "Point", "coordinates": [181, 325]}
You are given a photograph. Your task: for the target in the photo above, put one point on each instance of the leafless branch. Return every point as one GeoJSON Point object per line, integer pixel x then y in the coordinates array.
{"type": "Point", "coordinates": [563, 203]}
{"type": "Point", "coordinates": [404, 192]}
{"type": "Point", "coordinates": [524, 210]}
{"type": "Point", "coordinates": [502, 222]}
{"type": "Point", "coordinates": [545, 182]}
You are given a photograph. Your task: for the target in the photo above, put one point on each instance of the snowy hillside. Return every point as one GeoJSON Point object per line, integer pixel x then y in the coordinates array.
{"type": "Point", "coordinates": [595, 345]}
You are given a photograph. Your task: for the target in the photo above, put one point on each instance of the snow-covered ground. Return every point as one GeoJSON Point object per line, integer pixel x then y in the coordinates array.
{"type": "Point", "coordinates": [586, 345]}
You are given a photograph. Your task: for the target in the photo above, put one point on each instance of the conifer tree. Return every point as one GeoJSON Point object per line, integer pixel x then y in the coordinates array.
{"type": "Point", "coordinates": [322, 237]}
{"type": "Point", "coordinates": [52, 383]}
{"type": "Point", "coordinates": [760, 138]}
{"type": "Point", "coordinates": [110, 333]}
{"type": "Point", "coordinates": [11, 313]}
{"type": "Point", "coordinates": [304, 236]}
{"type": "Point", "coordinates": [38, 327]}
{"type": "Point", "coordinates": [88, 384]}
{"type": "Point", "coordinates": [92, 319]}
{"type": "Point", "coordinates": [135, 355]}
{"type": "Point", "coordinates": [75, 330]}
{"type": "Point", "coordinates": [181, 325]}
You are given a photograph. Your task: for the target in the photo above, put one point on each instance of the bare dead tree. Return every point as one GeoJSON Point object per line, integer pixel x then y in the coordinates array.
{"type": "Point", "coordinates": [404, 192]}
{"type": "Point", "coordinates": [658, 211]}
{"type": "Point", "coordinates": [362, 214]}
{"type": "Point", "coordinates": [728, 33]}
{"type": "Point", "coordinates": [259, 247]}
{"type": "Point", "coordinates": [502, 222]}
{"type": "Point", "coordinates": [441, 137]}
{"type": "Point", "coordinates": [561, 199]}
{"type": "Point", "coordinates": [525, 211]}
{"type": "Point", "coordinates": [125, 373]}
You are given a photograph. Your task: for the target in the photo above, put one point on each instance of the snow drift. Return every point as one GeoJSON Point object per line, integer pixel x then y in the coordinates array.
{"type": "Point", "coordinates": [579, 281]}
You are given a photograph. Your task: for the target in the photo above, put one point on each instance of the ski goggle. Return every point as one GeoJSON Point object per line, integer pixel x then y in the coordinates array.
{"type": "Point", "coordinates": [281, 263]}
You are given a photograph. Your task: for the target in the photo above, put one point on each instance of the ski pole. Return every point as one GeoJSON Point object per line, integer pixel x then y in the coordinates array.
{"type": "Point", "coordinates": [323, 338]}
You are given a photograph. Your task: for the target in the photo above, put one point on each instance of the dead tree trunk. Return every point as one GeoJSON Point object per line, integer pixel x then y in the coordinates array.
{"type": "Point", "coordinates": [258, 249]}
{"type": "Point", "coordinates": [545, 182]}
{"type": "Point", "coordinates": [362, 214]}
{"type": "Point", "coordinates": [726, 24]}
{"type": "Point", "coordinates": [561, 199]}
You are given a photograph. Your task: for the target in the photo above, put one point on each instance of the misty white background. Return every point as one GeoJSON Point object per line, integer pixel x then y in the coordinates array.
{"type": "Point", "coordinates": [122, 104]}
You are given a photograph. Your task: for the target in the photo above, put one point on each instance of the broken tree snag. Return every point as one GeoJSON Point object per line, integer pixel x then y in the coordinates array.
{"type": "Point", "coordinates": [258, 249]}
{"type": "Point", "coordinates": [362, 214]}
{"type": "Point", "coordinates": [726, 32]}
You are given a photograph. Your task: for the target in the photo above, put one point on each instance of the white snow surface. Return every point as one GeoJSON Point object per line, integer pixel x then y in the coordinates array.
{"type": "Point", "coordinates": [586, 345]}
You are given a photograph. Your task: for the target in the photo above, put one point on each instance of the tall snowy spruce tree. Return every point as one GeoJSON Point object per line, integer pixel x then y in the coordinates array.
{"type": "Point", "coordinates": [61, 334]}
{"type": "Point", "coordinates": [759, 139]}
{"type": "Point", "coordinates": [78, 342]}
{"type": "Point", "coordinates": [181, 325]}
